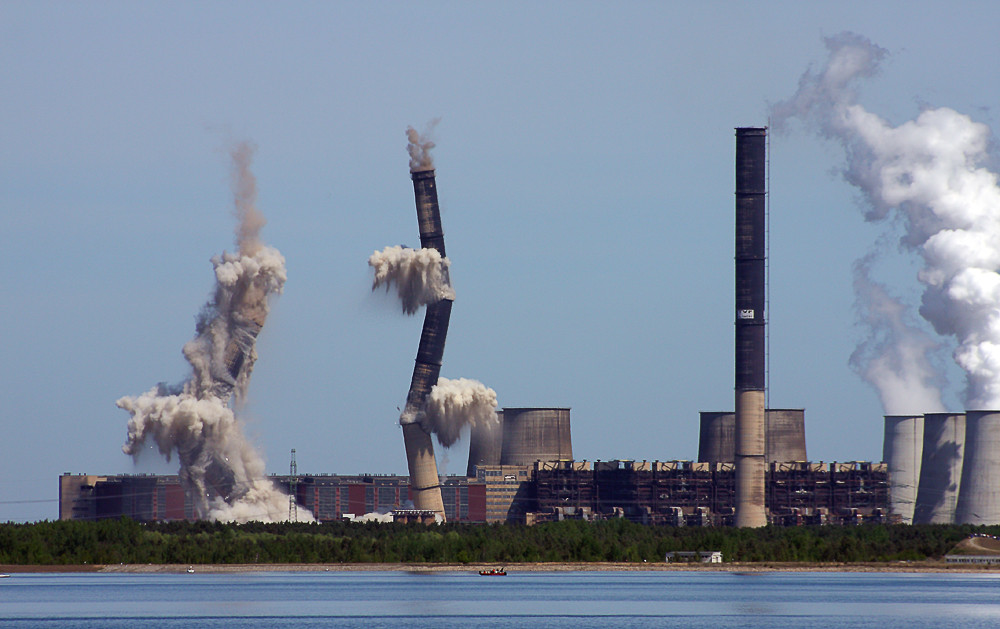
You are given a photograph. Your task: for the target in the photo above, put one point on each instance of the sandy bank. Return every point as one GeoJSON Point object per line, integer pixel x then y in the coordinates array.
{"type": "Point", "coordinates": [900, 566]}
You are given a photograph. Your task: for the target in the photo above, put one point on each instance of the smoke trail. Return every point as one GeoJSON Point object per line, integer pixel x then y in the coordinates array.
{"type": "Point", "coordinates": [219, 468]}
{"type": "Point", "coordinates": [928, 173]}
{"type": "Point", "coordinates": [420, 275]}
{"type": "Point", "coordinates": [454, 404]}
{"type": "Point", "coordinates": [419, 147]}
{"type": "Point", "coordinates": [249, 220]}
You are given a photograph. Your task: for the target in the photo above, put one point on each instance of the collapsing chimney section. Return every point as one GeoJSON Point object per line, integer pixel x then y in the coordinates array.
{"type": "Point", "coordinates": [750, 323]}
{"type": "Point", "coordinates": [425, 486]}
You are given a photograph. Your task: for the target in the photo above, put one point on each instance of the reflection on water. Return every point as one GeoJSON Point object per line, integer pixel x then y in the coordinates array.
{"type": "Point", "coordinates": [463, 599]}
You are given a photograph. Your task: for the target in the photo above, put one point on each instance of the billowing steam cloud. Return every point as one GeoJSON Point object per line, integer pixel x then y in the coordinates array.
{"type": "Point", "coordinates": [894, 357]}
{"type": "Point", "coordinates": [454, 404]}
{"type": "Point", "coordinates": [419, 147]}
{"type": "Point", "coordinates": [420, 275]}
{"type": "Point", "coordinates": [928, 173]}
{"type": "Point", "coordinates": [220, 469]}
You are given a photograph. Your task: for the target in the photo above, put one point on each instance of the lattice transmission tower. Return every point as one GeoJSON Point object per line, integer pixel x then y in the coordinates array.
{"type": "Point", "coordinates": [293, 471]}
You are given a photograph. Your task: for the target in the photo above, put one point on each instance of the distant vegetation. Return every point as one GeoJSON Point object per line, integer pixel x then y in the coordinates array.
{"type": "Point", "coordinates": [126, 541]}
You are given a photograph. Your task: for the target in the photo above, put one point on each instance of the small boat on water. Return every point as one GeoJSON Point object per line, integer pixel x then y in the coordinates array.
{"type": "Point", "coordinates": [4, 576]}
{"type": "Point", "coordinates": [493, 572]}
{"type": "Point", "coordinates": [191, 570]}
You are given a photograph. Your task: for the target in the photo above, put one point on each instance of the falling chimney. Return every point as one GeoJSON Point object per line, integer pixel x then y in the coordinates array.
{"type": "Point", "coordinates": [751, 169]}
{"type": "Point", "coordinates": [425, 485]}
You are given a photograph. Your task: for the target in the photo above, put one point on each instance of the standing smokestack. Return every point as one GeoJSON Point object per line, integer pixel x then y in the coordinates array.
{"type": "Point", "coordinates": [425, 486]}
{"type": "Point", "coordinates": [750, 322]}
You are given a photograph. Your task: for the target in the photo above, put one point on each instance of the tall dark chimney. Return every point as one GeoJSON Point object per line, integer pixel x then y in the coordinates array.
{"type": "Point", "coordinates": [425, 486]}
{"type": "Point", "coordinates": [751, 178]}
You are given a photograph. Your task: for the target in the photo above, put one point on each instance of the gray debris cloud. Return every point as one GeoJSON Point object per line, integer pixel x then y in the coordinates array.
{"type": "Point", "coordinates": [221, 471]}
{"type": "Point", "coordinates": [419, 147]}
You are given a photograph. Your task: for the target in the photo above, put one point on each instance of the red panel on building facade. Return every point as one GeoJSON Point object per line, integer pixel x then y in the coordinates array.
{"type": "Point", "coordinates": [174, 507]}
{"type": "Point", "coordinates": [356, 499]}
{"type": "Point", "coordinates": [477, 502]}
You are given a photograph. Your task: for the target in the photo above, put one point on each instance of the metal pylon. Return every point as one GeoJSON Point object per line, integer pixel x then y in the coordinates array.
{"type": "Point", "coordinates": [293, 471]}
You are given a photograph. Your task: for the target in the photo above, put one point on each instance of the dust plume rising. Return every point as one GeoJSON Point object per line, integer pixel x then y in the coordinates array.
{"type": "Point", "coordinates": [220, 470]}
{"type": "Point", "coordinates": [419, 147]}
{"type": "Point", "coordinates": [249, 220]}
{"type": "Point", "coordinates": [927, 175]}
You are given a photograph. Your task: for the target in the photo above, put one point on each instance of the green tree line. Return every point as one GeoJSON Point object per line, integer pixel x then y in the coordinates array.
{"type": "Point", "coordinates": [126, 541]}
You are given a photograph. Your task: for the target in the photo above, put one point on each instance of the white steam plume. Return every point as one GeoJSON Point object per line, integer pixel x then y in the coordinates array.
{"type": "Point", "coordinates": [420, 275]}
{"type": "Point", "coordinates": [894, 356]}
{"type": "Point", "coordinates": [928, 173]}
{"type": "Point", "coordinates": [454, 404]}
{"type": "Point", "coordinates": [222, 472]}
{"type": "Point", "coordinates": [419, 147]}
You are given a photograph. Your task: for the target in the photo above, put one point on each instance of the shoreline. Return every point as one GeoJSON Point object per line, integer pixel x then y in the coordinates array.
{"type": "Point", "coordinates": [767, 566]}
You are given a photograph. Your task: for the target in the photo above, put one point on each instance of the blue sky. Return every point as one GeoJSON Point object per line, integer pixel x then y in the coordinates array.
{"type": "Point", "coordinates": [585, 171]}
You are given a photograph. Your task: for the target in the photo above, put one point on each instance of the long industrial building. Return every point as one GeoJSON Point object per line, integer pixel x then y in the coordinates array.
{"type": "Point", "coordinates": [674, 493]}
{"type": "Point", "coordinates": [149, 497]}
{"type": "Point", "coordinates": [678, 493]}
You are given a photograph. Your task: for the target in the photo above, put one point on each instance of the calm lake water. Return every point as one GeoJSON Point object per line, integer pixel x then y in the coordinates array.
{"type": "Point", "coordinates": [528, 599]}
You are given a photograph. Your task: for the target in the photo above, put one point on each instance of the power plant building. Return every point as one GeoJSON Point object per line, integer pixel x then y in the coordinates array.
{"type": "Point", "coordinates": [678, 493]}
{"type": "Point", "coordinates": [673, 493]}
{"type": "Point", "coordinates": [148, 497]}
{"type": "Point", "coordinates": [509, 491]}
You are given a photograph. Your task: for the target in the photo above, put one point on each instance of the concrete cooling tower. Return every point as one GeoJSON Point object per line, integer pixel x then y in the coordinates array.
{"type": "Point", "coordinates": [784, 436]}
{"type": "Point", "coordinates": [485, 442]}
{"type": "Point", "coordinates": [902, 448]}
{"type": "Point", "coordinates": [717, 437]}
{"type": "Point", "coordinates": [535, 434]}
{"type": "Point", "coordinates": [979, 491]}
{"type": "Point", "coordinates": [940, 468]}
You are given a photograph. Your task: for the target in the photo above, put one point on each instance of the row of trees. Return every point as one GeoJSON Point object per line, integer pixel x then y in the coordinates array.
{"type": "Point", "coordinates": [126, 541]}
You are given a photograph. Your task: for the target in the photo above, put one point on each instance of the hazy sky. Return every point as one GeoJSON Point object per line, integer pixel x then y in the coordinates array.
{"type": "Point", "coordinates": [585, 172]}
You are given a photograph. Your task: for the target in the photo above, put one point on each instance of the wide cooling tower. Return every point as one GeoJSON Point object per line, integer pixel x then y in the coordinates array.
{"type": "Point", "coordinates": [940, 468]}
{"type": "Point", "coordinates": [485, 443]}
{"type": "Point", "coordinates": [784, 436]}
{"type": "Point", "coordinates": [979, 492]}
{"type": "Point", "coordinates": [902, 447]}
{"type": "Point", "coordinates": [717, 437]}
{"type": "Point", "coordinates": [535, 434]}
